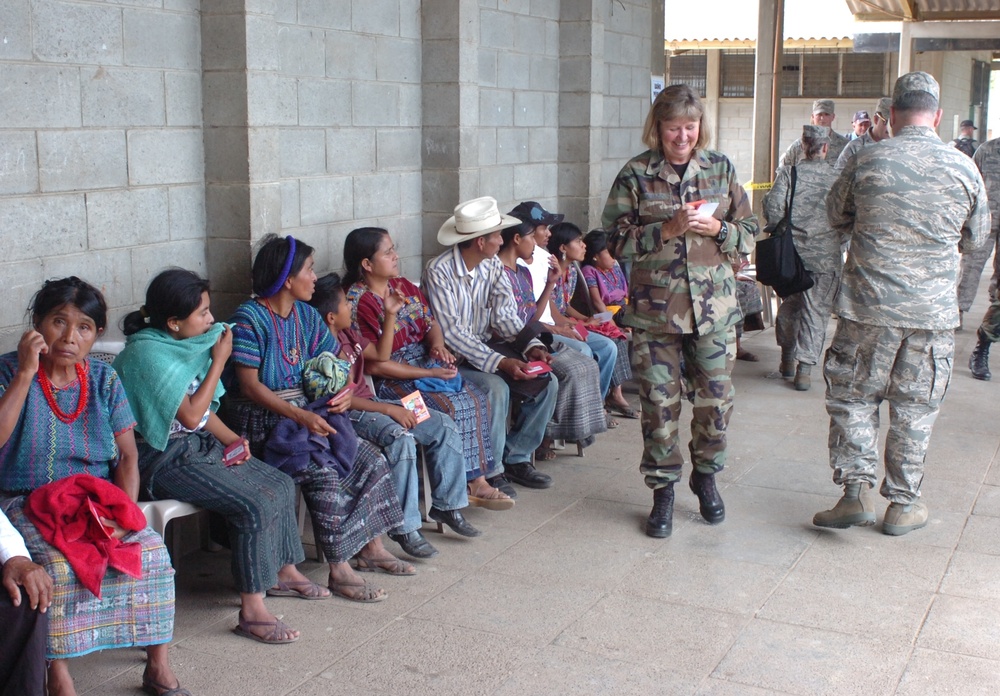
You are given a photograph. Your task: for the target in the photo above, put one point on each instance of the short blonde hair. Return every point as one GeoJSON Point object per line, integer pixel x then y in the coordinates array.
{"type": "Point", "coordinates": [676, 101]}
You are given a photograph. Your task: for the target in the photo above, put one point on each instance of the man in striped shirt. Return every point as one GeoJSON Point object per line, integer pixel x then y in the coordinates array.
{"type": "Point", "coordinates": [473, 301]}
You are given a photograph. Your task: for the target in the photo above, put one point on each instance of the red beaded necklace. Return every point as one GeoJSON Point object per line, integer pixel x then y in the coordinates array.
{"type": "Point", "coordinates": [292, 355]}
{"type": "Point", "coordinates": [46, 384]}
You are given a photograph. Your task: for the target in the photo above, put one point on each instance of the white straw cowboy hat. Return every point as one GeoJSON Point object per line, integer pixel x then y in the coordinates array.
{"type": "Point", "coordinates": [472, 219]}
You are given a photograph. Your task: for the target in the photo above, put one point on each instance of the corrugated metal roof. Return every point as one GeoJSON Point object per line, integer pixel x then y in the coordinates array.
{"type": "Point", "coordinates": [735, 21]}
{"type": "Point", "coordinates": [926, 10]}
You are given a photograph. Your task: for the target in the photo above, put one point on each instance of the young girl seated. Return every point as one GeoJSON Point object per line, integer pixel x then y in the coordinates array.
{"type": "Point", "coordinates": [170, 366]}
{"type": "Point", "coordinates": [392, 427]}
{"type": "Point", "coordinates": [607, 286]}
{"type": "Point", "coordinates": [579, 415]}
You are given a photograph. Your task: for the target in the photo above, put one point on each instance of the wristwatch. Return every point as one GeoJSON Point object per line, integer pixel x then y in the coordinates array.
{"type": "Point", "coordinates": [723, 234]}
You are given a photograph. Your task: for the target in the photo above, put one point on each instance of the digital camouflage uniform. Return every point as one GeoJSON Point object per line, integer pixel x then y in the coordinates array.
{"type": "Point", "coordinates": [852, 149]}
{"type": "Point", "coordinates": [682, 301]}
{"type": "Point", "coordinates": [793, 155]}
{"type": "Point", "coordinates": [987, 158]}
{"type": "Point", "coordinates": [800, 326]}
{"type": "Point", "coordinates": [905, 204]}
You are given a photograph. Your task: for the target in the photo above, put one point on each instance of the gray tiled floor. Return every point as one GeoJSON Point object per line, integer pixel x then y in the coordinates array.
{"type": "Point", "coordinates": [564, 594]}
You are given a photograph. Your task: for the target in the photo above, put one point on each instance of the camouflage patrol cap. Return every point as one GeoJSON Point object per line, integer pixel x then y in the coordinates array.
{"type": "Point", "coordinates": [882, 108]}
{"type": "Point", "coordinates": [816, 134]}
{"type": "Point", "coordinates": [823, 106]}
{"type": "Point", "coordinates": [916, 82]}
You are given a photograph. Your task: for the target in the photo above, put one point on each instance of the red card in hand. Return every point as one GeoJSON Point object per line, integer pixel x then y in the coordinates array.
{"type": "Point", "coordinates": [582, 330]}
{"type": "Point", "coordinates": [538, 367]}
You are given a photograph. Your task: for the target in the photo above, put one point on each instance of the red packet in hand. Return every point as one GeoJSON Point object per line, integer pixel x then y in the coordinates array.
{"type": "Point", "coordinates": [582, 330]}
{"type": "Point", "coordinates": [96, 516]}
{"type": "Point", "coordinates": [414, 403]}
{"type": "Point", "coordinates": [537, 367]}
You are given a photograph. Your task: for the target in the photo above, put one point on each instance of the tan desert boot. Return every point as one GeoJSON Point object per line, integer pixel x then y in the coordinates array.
{"type": "Point", "coordinates": [855, 509]}
{"type": "Point", "coordinates": [900, 518]}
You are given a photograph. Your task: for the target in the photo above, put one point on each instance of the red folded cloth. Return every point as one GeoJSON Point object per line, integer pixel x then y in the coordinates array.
{"type": "Point", "coordinates": [66, 513]}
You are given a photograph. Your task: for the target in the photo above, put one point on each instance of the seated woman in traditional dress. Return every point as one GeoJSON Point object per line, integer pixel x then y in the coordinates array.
{"type": "Point", "coordinates": [579, 415]}
{"type": "Point", "coordinates": [171, 366]}
{"type": "Point", "coordinates": [274, 334]}
{"type": "Point", "coordinates": [566, 244]}
{"type": "Point", "coordinates": [62, 414]}
{"type": "Point", "coordinates": [417, 351]}
{"type": "Point", "coordinates": [607, 287]}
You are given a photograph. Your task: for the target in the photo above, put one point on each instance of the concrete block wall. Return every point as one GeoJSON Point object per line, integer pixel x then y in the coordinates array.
{"type": "Point", "coordinates": [519, 75]}
{"type": "Point", "coordinates": [348, 125]}
{"type": "Point", "coordinates": [626, 101]}
{"type": "Point", "coordinates": [140, 133]}
{"type": "Point", "coordinates": [101, 156]}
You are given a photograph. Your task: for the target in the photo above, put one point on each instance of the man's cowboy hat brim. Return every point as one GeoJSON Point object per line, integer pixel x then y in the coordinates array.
{"type": "Point", "coordinates": [473, 219]}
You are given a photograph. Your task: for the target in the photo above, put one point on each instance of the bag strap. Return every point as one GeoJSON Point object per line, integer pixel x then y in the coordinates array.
{"type": "Point", "coordinates": [791, 199]}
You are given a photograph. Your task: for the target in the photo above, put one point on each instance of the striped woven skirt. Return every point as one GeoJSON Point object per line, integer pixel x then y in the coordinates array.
{"type": "Point", "coordinates": [346, 512]}
{"type": "Point", "coordinates": [469, 408]}
{"type": "Point", "coordinates": [131, 611]}
{"type": "Point", "coordinates": [623, 367]}
{"type": "Point", "coordinates": [579, 413]}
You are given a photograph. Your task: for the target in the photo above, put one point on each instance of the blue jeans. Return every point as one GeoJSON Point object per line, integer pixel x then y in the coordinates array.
{"type": "Point", "coordinates": [599, 347]}
{"type": "Point", "coordinates": [528, 429]}
{"type": "Point", "coordinates": [445, 466]}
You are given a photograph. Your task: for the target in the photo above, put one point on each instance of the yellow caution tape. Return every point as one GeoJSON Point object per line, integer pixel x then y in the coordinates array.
{"type": "Point", "coordinates": [752, 186]}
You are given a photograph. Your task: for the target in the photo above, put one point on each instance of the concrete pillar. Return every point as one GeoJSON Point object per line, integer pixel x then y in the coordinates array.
{"type": "Point", "coordinates": [450, 106]}
{"type": "Point", "coordinates": [244, 100]}
{"type": "Point", "coordinates": [227, 171]}
{"type": "Point", "coordinates": [581, 113]}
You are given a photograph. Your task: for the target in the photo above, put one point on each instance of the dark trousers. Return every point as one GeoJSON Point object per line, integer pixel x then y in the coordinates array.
{"type": "Point", "coordinates": [22, 648]}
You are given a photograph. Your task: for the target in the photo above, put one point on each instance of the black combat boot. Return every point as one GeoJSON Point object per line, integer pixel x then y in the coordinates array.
{"type": "Point", "coordinates": [710, 502]}
{"type": "Point", "coordinates": [661, 518]}
{"type": "Point", "coordinates": [979, 361]}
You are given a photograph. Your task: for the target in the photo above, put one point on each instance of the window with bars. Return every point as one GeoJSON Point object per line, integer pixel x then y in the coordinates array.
{"type": "Point", "coordinates": [819, 73]}
{"type": "Point", "coordinates": [863, 75]}
{"type": "Point", "coordinates": [690, 68]}
{"type": "Point", "coordinates": [737, 78]}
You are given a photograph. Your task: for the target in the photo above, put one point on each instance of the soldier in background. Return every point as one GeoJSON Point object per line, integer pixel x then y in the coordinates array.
{"type": "Point", "coordinates": [878, 132]}
{"type": "Point", "coordinates": [987, 158]}
{"type": "Point", "coordinates": [800, 326]}
{"type": "Point", "coordinates": [965, 142]}
{"type": "Point", "coordinates": [822, 115]}
{"type": "Point", "coordinates": [907, 205]}
{"type": "Point", "coordinates": [859, 125]}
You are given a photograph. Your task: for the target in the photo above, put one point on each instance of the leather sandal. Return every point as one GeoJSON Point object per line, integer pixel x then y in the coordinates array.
{"type": "Point", "coordinates": [310, 590]}
{"type": "Point", "coordinates": [369, 594]}
{"type": "Point", "coordinates": [396, 566]}
{"type": "Point", "coordinates": [157, 689]}
{"type": "Point", "coordinates": [492, 499]}
{"type": "Point", "coordinates": [243, 629]}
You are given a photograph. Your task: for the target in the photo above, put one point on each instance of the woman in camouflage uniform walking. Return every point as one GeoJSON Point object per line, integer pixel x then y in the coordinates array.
{"type": "Point", "coordinates": [682, 304]}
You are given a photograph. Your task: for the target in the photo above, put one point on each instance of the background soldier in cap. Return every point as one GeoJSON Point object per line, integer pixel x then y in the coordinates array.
{"type": "Point", "coordinates": [822, 115]}
{"type": "Point", "coordinates": [860, 125]}
{"type": "Point", "coordinates": [906, 204]}
{"type": "Point", "coordinates": [800, 327]}
{"type": "Point", "coordinates": [965, 142]}
{"type": "Point", "coordinates": [879, 131]}
{"type": "Point", "coordinates": [987, 158]}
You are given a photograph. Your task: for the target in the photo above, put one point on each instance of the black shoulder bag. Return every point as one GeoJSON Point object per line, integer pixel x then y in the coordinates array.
{"type": "Point", "coordinates": [778, 263]}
